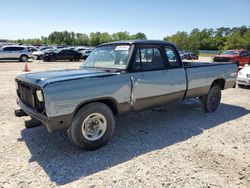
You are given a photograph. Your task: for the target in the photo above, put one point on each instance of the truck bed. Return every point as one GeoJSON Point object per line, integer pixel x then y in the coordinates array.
{"type": "Point", "coordinates": [201, 75]}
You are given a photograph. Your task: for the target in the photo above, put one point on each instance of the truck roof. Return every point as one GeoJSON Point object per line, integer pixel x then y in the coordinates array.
{"type": "Point", "coordinates": [137, 42]}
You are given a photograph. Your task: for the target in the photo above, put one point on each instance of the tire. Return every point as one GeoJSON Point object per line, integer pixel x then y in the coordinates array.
{"type": "Point", "coordinates": [51, 59]}
{"type": "Point", "coordinates": [23, 58]}
{"type": "Point", "coordinates": [211, 101]}
{"type": "Point", "coordinates": [32, 123]}
{"type": "Point", "coordinates": [40, 57]}
{"type": "Point", "coordinates": [92, 127]}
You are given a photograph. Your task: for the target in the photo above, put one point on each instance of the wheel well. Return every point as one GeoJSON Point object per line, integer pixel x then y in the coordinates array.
{"type": "Point", "coordinates": [219, 82]}
{"type": "Point", "coordinates": [109, 102]}
{"type": "Point", "coordinates": [23, 55]}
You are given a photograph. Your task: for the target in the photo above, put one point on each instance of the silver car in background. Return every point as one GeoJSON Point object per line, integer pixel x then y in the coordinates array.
{"type": "Point", "coordinates": [21, 53]}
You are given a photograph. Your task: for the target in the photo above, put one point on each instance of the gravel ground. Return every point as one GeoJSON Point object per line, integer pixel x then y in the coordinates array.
{"type": "Point", "coordinates": [176, 145]}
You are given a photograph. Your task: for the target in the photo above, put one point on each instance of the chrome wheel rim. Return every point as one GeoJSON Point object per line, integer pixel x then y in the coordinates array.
{"type": "Point", "coordinates": [94, 126]}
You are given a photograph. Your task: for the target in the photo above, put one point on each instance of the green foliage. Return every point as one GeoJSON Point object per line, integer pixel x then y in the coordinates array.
{"type": "Point", "coordinates": [81, 39]}
{"type": "Point", "coordinates": [138, 36]}
{"type": "Point", "coordinates": [180, 39]}
{"type": "Point", "coordinates": [222, 38]}
{"type": "Point", "coordinates": [206, 39]}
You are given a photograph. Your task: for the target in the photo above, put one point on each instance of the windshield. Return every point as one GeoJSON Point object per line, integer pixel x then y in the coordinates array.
{"type": "Point", "coordinates": [114, 57]}
{"type": "Point", "coordinates": [231, 52]}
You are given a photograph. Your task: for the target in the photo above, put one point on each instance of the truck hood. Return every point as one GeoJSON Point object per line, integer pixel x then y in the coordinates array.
{"type": "Point", "coordinates": [41, 79]}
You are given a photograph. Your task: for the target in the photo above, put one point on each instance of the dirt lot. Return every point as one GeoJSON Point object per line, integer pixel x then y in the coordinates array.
{"type": "Point", "coordinates": [176, 145]}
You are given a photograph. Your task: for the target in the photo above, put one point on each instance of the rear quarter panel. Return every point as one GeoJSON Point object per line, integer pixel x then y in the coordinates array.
{"type": "Point", "coordinates": [200, 78]}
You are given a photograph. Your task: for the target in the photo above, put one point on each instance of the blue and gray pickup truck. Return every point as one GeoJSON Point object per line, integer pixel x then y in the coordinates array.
{"type": "Point", "coordinates": [117, 78]}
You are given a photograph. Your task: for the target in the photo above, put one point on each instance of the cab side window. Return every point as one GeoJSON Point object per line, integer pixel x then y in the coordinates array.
{"type": "Point", "coordinates": [172, 57]}
{"type": "Point", "coordinates": [149, 58]}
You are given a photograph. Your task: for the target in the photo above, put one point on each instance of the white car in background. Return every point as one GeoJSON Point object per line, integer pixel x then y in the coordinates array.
{"type": "Point", "coordinates": [85, 53]}
{"type": "Point", "coordinates": [243, 78]}
{"type": "Point", "coordinates": [40, 53]}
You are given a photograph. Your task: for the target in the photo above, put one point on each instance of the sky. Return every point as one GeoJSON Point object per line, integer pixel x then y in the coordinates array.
{"type": "Point", "coordinates": [156, 18]}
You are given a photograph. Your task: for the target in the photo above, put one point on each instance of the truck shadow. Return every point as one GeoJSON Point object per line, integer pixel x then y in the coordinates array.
{"type": "Point", "coordinates": [136, 134]}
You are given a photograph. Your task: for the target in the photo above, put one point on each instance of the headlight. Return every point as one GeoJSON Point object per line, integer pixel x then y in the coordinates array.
{"type": "Point", "coordinates": [241, 73]}
{"type": "Point", "coordinates": [39, 95]}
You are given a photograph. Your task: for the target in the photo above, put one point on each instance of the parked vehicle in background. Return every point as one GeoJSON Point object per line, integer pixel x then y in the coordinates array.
{"type": "Point", "coordinates": [181, 54]}
{"type": "Point", "coordinates": [190, 56]}
{"type": "Point", "coordinates": [240, 57]}
{"type": "Point", "coordinates": [46, 48]}
{"type": "Point", "coordinates": [81, 48]}
{"type": "Point", "coordinates": [85, 53]}
{"type": "Point", "coordinates": [243, 78]}
{"type": "Point", "coordinates": [64, 54]}
{"type": "Point", "coordinates": [21, 53]}
{"type": "Point", "coordinates": [117, 78]}
{"type": "Point", "coordinates": [32, 49]}
{"type": "Point", "coordinates": [70, 48]}
{"type": "Point", "coordinates": [40, 53]}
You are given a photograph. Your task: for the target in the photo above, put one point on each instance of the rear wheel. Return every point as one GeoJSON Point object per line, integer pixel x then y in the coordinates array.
{"type": "Point", "coordinates": [51, 59]}
{"type": "Point", "coordinates": [211, 101]}
{"type": "Point", "coordinates": [39, 57]}
{"type": "Point", "coordinates": [92, 126]}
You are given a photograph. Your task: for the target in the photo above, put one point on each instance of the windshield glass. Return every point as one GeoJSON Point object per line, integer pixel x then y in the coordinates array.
{"type": "Point", "coordinates": [230, 52]}
{"type": "Point", "coordinates": [115, 56]}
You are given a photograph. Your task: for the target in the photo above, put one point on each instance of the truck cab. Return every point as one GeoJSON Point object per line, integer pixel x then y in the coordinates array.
{"type": "Point", "coordinates": [117, 78]}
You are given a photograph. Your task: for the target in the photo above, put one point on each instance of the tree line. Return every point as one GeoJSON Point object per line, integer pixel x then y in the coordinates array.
{"type": "Point", "coordinates": [81, 39]}
{"type": "Point", "coordinates": [206, 39]}
{"type": "Point", "coordinates": [222, 38]}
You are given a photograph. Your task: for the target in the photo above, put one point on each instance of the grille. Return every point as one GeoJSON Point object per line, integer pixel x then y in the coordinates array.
{"type": "Point", "coordinates": [27, 94]}
{"type": "Point", "coordinates": [242, 81]}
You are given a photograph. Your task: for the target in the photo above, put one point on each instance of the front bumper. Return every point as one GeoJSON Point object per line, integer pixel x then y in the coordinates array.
{"type": "Point", "coordinates": [51, 123]}
{"type": "Point", "coordinates": [32, 113]}
{"type": "Point", "coordinates": [243, 81]}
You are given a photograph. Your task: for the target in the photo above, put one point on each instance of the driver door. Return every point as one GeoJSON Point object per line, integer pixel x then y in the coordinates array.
{"type": "Point", "coordinates": [62, 55]}
{"type": "Point", "coordinates": [158, 82]}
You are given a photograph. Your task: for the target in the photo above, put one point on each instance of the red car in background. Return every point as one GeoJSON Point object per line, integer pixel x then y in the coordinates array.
{"type": "Point", "coordinates": [241, 57]}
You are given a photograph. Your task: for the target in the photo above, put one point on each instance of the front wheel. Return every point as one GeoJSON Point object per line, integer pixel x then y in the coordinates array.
{"type": "Point", "coordinates": [92, 126]}
{"type": "Point", "coordinates": [24, 58]}
{"type": "Point", "coordinates": [211, 101]}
